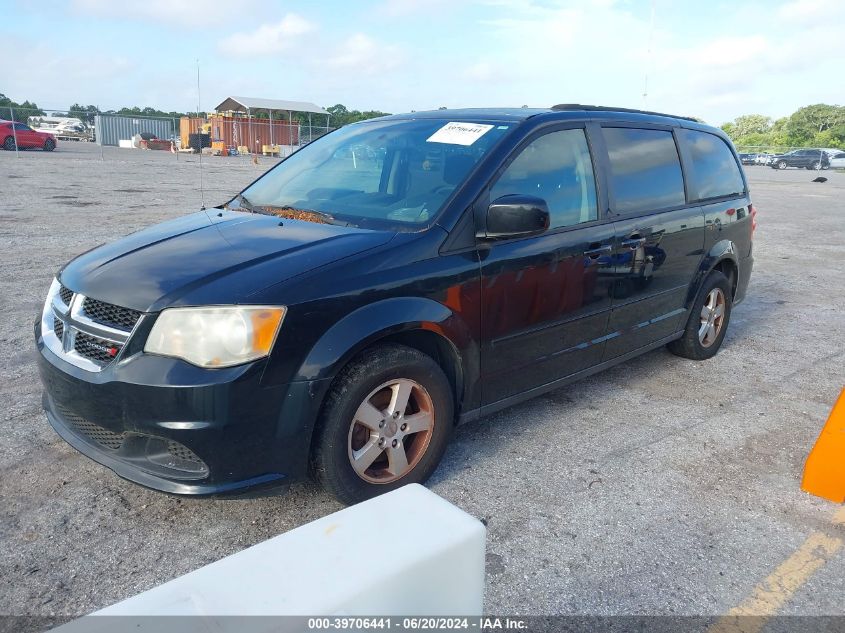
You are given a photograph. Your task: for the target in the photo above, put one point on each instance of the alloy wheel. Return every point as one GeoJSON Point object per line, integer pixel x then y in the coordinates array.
{"type": "Point", "coordinates": [391, 431]}
{"type": "Point", "coordinates": [712, 317]}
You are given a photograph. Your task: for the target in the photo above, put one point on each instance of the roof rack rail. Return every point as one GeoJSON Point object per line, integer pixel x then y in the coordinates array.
{"type": "Point", "coordinates": [588, 108]}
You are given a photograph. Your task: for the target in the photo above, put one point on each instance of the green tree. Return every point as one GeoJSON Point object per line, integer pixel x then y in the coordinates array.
{"type": "Point", "coordinates": [341, 115]}
{"type": "Point", "coordinates": [21, 111]}
{"type": "Point", "coordinates": [83, 113]}
{"type": "Point", "coordinates": [805, 123]}
{"type": "Point", "coordinates": [751, 124]}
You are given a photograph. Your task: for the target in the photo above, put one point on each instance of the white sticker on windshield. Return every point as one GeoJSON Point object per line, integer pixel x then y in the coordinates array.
{"type": "Point", "coordinates": [459, 133]}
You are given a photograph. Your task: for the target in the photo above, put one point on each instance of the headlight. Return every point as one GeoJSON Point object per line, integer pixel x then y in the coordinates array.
{"type": "Point", "coordinates": [215, 337]}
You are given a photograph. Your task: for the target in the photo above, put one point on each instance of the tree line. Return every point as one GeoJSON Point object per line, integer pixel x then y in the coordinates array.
{"type": "Point", "coordinates": [818, 125]}
{"type": "Point", "coordinates": [340, 114]}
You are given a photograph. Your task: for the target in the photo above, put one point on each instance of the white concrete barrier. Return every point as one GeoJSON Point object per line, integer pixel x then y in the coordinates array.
{"type": "Point", "coordinates": [407, 552]}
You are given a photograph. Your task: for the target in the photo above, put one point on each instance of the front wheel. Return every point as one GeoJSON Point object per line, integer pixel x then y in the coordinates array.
{"type": "Point", "coordinates": [49, 145]}
{"type": "Point", "coordinates": [708, 320]}
{"type": "Point", "coordinates": [782, 164]}
{"type": "Point", "coordinates": [386, 422]}
{"type": "Point", "coordinates": [817, 166]}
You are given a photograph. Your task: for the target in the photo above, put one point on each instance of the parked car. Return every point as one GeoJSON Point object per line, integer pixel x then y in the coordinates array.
{"type": "Point", "coordinates": [838, 161]}
{"type": "Point", "coordinates": [764, 159]}
{"type": "Point", "coordinates": [25, 137]}
{"type": "Point", "coordinates": [339, 316]}
{"type": "Point", "coordinates": [748, 159]}
{"type": "Point", "coordinates": [807, 158]}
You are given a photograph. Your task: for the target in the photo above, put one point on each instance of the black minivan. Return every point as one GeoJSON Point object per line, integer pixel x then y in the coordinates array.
{"type": "Point", "coordinates": [395, 277]}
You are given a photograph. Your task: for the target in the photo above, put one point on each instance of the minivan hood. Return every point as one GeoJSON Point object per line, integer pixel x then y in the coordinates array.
{"type": "Point", "coordinates": [210, 257]}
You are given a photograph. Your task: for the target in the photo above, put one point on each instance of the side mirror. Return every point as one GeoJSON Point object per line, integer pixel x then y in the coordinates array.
{"type": "Point", "coordinates": [515, 216]}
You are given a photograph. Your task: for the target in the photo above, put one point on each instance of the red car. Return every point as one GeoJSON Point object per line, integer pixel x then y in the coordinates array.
{"type": "Point", "coordinates": [27, 138]}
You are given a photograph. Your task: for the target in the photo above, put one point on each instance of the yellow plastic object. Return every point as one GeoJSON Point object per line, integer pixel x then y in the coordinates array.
{"type": "Point", "coordinates": [824, 472]}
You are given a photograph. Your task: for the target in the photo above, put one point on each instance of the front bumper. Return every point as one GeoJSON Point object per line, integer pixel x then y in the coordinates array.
{"type": "Point", "coordinates": [170, 426]}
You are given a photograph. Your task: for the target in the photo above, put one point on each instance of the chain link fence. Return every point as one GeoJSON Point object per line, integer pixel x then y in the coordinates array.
{"type": "Point", "coordinates": [92, 132]}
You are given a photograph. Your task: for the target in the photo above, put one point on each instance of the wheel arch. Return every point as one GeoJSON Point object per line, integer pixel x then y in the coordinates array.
{"type": "Point", "coordinates": [722, 256]}
{"type": "Point", "coordinates": [420, 323]}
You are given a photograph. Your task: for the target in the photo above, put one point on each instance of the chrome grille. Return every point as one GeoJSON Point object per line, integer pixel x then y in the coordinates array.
{"type": "Point", "coordinates": [111, 315]}
{"type": "Point", "coordinates": [95, 349]}
{"type": "Point", "coordinates": [85, 332]}
{"type": "Point", "coordinates": [66, 295]}
{"type": "Point", "coordinates": [103, 437]}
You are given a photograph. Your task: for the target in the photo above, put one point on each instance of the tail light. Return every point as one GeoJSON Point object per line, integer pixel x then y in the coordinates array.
{"type": "Point", "coordinates": [753, 213]}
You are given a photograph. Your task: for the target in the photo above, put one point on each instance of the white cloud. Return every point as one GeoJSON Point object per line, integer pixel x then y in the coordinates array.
{"type": "Point", "coordinates": [362, 55]}
{"type": "Point", "coordinates": [268, 39]}
{"type": "Point", "coordinates": [182, 13]}
{"type": "Point", "coordinates": [481, 71]}
{"type": "Point", "coordinates": [398, 8]}
{"type": "Point", "coordinates": [41, 72]}
{"type": "Point", "coordinates": [811, 12]}
{"type": "Point", "coordinates": [726, 51]}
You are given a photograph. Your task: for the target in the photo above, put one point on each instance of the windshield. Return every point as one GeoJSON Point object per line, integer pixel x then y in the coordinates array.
{"type": "Point", "coordinates": [392, 174]}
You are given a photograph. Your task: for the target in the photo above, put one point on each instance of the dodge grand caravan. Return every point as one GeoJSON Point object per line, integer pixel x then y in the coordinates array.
{"type": "Point", "coordinates": [346, 310]}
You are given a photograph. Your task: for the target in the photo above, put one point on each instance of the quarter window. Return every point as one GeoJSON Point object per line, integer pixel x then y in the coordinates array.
{"type": "Point", "coordinates": [645, 171]}
{"type": "Point", "coordinates": [557, 168]}
{"type": "Point", "coordinates": [714, 169]}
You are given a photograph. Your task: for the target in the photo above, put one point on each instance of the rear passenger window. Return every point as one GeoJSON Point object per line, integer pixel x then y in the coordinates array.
{"type": "Point", "coordinates": [645, 171]}
{"type": "Point", "coordinates": [557, 168]}
{"type": "Point", "coordinates": [714, 170]}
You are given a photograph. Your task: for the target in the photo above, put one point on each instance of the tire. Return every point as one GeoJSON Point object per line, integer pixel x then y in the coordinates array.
{"type": "Point", "coordinates": [9, 144]}
{"type": "Point", "coordinates": [347, 425]}
{"type": "Point", "coordinates": [782, 164]}
{"type": "Point", "coordinates": [49, 145]}
{"type": "Point", "coordinates": [817, 166]}
{"type": "Point", "coordinates": [698, 343]}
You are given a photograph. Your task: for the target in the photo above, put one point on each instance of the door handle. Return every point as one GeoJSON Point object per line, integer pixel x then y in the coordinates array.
{"type": "Point", "coordinates": [633, 243]}
{"type": "Point", "coordinates": [595, 253]}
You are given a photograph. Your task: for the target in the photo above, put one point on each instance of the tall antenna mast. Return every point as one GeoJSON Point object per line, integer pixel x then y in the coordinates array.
{"type": "Point", "coordinates": [199, 137]}
{"type": "Point", "coordinates": [648, 57]}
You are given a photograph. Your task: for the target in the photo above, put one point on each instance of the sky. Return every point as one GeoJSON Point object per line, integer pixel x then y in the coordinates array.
{"type": "Point", "coordinates": [712, 59]}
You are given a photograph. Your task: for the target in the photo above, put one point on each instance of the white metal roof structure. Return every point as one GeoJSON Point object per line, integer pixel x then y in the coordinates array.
{"type": "Point", "coordinates": [251, 103]}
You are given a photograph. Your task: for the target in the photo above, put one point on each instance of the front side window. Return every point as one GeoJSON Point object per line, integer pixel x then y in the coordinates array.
{"type": "Point", "coordinates": [390, 174]}
{"type": "Point", "coordinates": [557, 168]}
{"type": "Point", "coordinates": [714, 170]}
{"type": "Point", "coordinates": [645, 171]}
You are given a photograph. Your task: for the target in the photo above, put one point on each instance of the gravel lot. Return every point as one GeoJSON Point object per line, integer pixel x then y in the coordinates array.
{"type": "Point", "coordinates": [662, 486]}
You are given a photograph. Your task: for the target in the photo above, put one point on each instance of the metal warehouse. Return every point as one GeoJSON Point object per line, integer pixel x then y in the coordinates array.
{"type": "Point", "coordinates": [110, 128]}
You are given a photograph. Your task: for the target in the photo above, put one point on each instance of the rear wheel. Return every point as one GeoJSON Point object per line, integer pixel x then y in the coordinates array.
{"type": "Point", "coordinates": [9, 144]}
{"type": "Point", "coordinates": [49, 145]}
{"type": "Point", "coordinates": [817, 165]}
{"type": "Point", "coordinates": [386, 422]}
{"type": "Point", "coordinates": [708, 320]}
